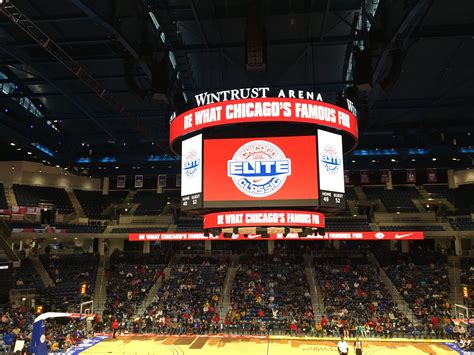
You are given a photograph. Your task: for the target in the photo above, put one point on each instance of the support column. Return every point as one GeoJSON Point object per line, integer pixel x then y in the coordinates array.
{"type": "Point", "coordinates": [405, 246]}
{"type": "Point", "coordinates": [146, 247]}
{"type": "Point", "coordinates": [389, 183]}
{"type": "Point", "coordinates": [105, 186]}
{"type": "Point", "coordinates": [393, 245]}
{"type": "Point", "coordinates": [207, 245]}
{"type": "Point", "coordinates": [271, 247]}
{"type": "Point", "coordinates": [336, 244]}
{"type": "Point", "coordinates": [458, 246]}
{"type": "Point", "coordinates": [451, 183]}
{"type": "Point", "coordinates": [101, 246]}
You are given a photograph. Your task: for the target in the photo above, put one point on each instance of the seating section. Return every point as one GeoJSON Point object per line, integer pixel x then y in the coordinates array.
{"type": "Point", "coordinates": [150, 203]}
{"type": "Point", "coordinates": [270, 293]}
{"type": "Point", "coordinates": [356, 300]}
{"type": "Point", "coordinates": [347, 224]}
{"type": "Point", "coordinates": [130, 277]}
{"type": "Point", "coordinates": [422, 280]}
{"type": "Point", "coordinates": [69, 272]}
{"type": "Point", "coordinates": [92, 227]}
{"type": "Point", "coordinates": [463, 224]}
{"type": "Point", "coordinates": [415, 227]}
{"type": "Point", "coordinates": [30, 196]}
{"type": "Point", "coordinates": [189, 226]}
{"type": "Point", "coordinates": [140, 230]}
{"type": "Point", "coordinates": [94, 202]}
{"type": "Point", "coordinates": [26, 276]}
{"type": "Point", "coordinates": [437, 190]}
{"type": "Point", "coordinates": [3, 198]}
{"type": "Point", "coordinates": [186, 301]}
{"type": "Point", "coordinates": [397, 200]}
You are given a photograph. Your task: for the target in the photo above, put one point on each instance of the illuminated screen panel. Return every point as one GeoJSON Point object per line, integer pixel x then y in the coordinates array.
{"type": "Point", "coordinates": [331, 170]}
{"type": "Point", "coordinates": [191, 173]}
{"type": "Point", "coordinates": [260, 172]}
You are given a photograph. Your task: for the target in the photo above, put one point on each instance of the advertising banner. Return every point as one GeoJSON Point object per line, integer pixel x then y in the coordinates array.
{"type": "Point", "coordinates": [432, 175]}
{"type": "Point", "coordinates": [271, 171]}
{"type": "Point", "coordinates": [289, 110]}
{"type": "Point", "coordinates": [121, 181]}
{"type": "Point", "coordinates": [142, 237]}
{"type": "Point", "coordinates": [411, 176]}
{"type": "Point", "coordinates": [162, 180]}
{"type": "Point", "coordinates": [191, 173]}
{"type": "Point", "coordinates": [384, 176]}
{"type": "Point", "coordinates": [364, 177]}
{"type": "Point", "coordinates": [138, 181]}
{"type": "Point", "coordinates": [264, 218]}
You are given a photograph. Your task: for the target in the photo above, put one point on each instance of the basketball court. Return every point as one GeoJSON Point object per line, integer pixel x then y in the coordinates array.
{"type": "Point", "coordinates": [205, 345]}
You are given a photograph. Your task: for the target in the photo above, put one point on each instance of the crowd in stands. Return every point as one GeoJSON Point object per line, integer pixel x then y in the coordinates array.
{"type": "Point", "coordinates": [16, 323]}
{"type": "Point", "coordinates": [422, 280]}
{"type": "Point", "coordinates": [68, 273]}
{"type": "Point", "coordinates": [467, 279]}
{"type": "Point", "coordinates": [129, 278]}
{"type": "Point", "coordinates": [186, 302]}
{"type": "Point", "coordinates": [356, 300]}
{"type": "Point", "coordinates": [270, 294]}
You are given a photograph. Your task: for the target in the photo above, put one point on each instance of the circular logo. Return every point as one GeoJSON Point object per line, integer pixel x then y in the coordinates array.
{"type": "Point", "coordinates": [379, 235]}
{"type": "Point", "coordinates": [331, 160]}
{"type": "Point", "coordinates": [191, 164]}
{"type": "Point", "coordinates": [259, 168]}
{"type": "Point", "coordinates": [42, 338]}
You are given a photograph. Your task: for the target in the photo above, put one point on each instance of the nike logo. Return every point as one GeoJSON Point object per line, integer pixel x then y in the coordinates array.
{"type": "Point", "coordinates": [252, 236]}
{"type": "Point", "coordinates": [235, 236]}
{"type": "Point", "coordinates": [400, 236]}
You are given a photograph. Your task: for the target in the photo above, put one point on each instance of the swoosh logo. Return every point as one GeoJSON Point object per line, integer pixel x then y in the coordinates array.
{"type": "Point", "coordinates": [235, 236]}
{"type": "Point", "coordinates": [252, 236]}
{"type": "Point", "coordinates": [400, 236]}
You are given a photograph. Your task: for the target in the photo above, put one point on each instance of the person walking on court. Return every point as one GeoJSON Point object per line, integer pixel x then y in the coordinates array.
{"type": "Point", "coordinates": [115, 326]}
{"type": "Point", "coordinates": [343, 347]}
{"type": "Point", "coordinates": [358, 346]}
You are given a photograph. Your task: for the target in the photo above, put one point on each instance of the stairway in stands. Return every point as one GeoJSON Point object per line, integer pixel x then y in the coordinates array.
{"type": "Point", "coordinates": [75, 203]}
{"type": "Point", "coordinates": [10, 195]}
{"type": "Point", "coordinates": [454, 275]}
{"type": "Point", "coordinates": [152, 293]}
{"type": "Point", "coordinates": [225, 302]}
{"type": "Point", "coordinates": [100, 289]}
{"type": "Point", "coordinates": [396, 296]}
{"type": "Point", "coordinates": [47, 281]}
{"type": "Point", "coordinates": [316, 296]}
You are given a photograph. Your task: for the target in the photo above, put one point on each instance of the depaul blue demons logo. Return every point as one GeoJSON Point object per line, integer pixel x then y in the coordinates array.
{"type": "Point", "coordinates": [191, 163]}
{"type": "Point", "coordinates": [331, 160]}
{"type": "Point", "coordinates": [259, 168]}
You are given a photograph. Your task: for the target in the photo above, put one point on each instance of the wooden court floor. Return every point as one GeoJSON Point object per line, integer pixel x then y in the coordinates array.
{"type": "Point", "coordinates": [203, 345]}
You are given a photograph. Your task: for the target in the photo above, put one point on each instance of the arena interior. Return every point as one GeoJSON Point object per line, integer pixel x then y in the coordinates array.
{"type": "Point", "coordinates": [236, 176]}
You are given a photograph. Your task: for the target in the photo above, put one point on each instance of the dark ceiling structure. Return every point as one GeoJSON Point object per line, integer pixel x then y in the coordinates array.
{"type": "Point", "coordinates": [91, 85]}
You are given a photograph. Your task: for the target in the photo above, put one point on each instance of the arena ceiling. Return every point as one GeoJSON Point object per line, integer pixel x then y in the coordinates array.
{"type": "Point", "coordinates": [419, 53]}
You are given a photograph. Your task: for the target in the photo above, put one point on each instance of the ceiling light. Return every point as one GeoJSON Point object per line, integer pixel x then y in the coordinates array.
{"type": "Point", "coordinates": [29, 153]}
{"type": "Point", "coordinates": [374, 161]}
{"type": "Point", "coordinates": [353, 161]}
{"type": "Point", "coordinates": [413, 159]}
{"type": "Point", "coordinates": [393, 160]}
{"type": "Point", "coordinates": [19, 149]}
{"type": "Point", "coordinates": [434, 159]}
{"type": "Point", "coordinates": [116, 167]}
{"type": "Point", "coordinates": [12, 144]}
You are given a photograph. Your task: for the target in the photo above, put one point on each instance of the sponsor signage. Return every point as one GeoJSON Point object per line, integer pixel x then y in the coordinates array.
{"type": "Point", "coordinates": [432, 175]}
{"type": "Point", "coordinates": [259, 172]}
{"type": "Point", "coordinates": [258, 110]}
{"type": "Point", "coordinates": [142, 237]}
{"type": "Point", "coordinates": [138, 181]}
{"type": "Point", "coordinates": [331, 170]}
{"type": "Point", "coordinates": [411, 176]}
{"type": "Point", "coordinates": [191, 173]}
{"type": "Point", "coordinates": [263, 218]}
{"type": "Point", "coordinates": [121, 181]}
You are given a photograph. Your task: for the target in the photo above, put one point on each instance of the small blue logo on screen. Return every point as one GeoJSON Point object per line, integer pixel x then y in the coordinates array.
{"type": "Point", "coordinates": [191, 164]}
{"type": "Point", "coordinates": [331, 160]}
